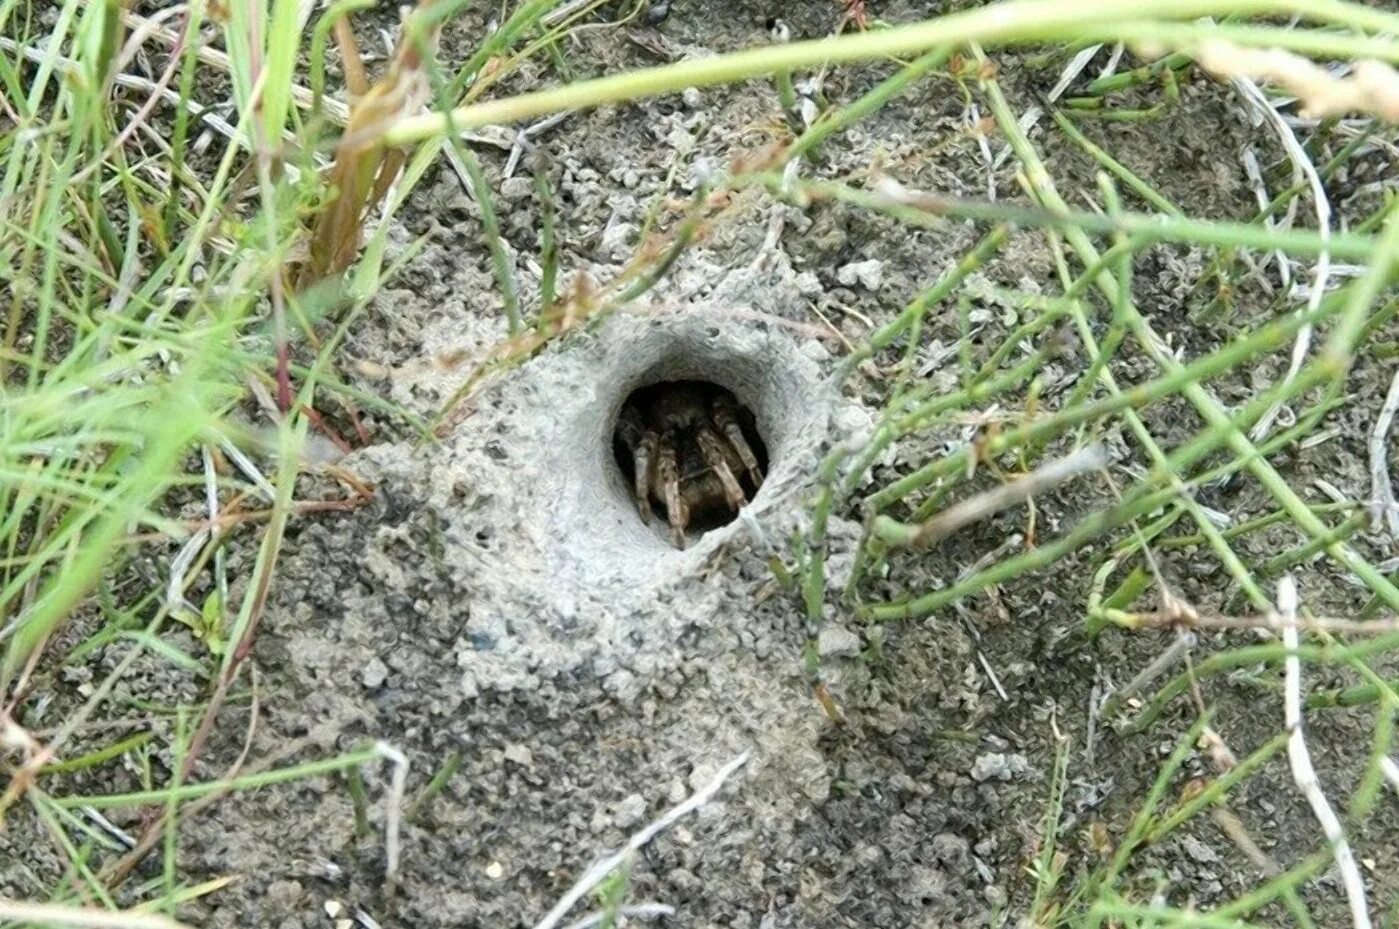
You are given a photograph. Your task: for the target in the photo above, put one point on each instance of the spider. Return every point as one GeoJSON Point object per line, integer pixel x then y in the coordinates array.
{"type": "Point", "coordinates": [687, 444]}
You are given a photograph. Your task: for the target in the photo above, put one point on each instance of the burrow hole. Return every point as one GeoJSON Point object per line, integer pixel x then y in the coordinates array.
{"type": "Point", "coordinates": [672, 415]}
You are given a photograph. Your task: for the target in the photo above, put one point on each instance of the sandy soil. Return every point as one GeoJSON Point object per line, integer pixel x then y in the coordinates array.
{"type": "Point", "coordinates": [495, 600]}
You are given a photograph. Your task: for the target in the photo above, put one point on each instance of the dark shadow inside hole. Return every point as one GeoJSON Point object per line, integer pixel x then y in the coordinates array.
{"type": "Point", "coordinates": [680, 418]}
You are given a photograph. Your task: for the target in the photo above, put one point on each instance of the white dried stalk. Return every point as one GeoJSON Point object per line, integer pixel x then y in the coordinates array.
{"type": "Point", "coordinates": [179, 567]}
{"type": "Point", "coordinates": [1114, 60]}
{"type": "Point", "coordinates": [974, 126]}
{"type": "Point", "coordinates": [1169, 658]}
{"type": "Point", "coordinates": [1301, 164]}
{"type": "Point", "coordinates": [205, 114]}
{"type": "Point", "coordinates": [524, 140]}
{"type": "Point", "coordinates": [1391, 772]}
{"type": "Point", "coordinates": [1074, 69]}
{"type": "Point", "coordinates": [1026, 122]}
{"type": "Point", "coordinates": [559, 13]}
{"type": "Point", "coordinates": [1384, 511]}
{"type": "Point", "coordinates": [1268, 623]}
{"type": "Point", "coordinates": [983, 505]}
{"type": "Point", "coordinates": [338, 110]}
{"type": "Point", "coordinates": [393, 805]}
{"type": "Point", "coordinates": [250, 470]}
{"type": "Point", "coordinates": [1301, 760]}
{"type": "Point", "coordinates": [109, 827]}
{"type": "Point", "coordinates": [1260, 193]}
{"type": "Point", "coordinates": [632, 911]}
{"type": "Point", "coordinates": [599, 871]}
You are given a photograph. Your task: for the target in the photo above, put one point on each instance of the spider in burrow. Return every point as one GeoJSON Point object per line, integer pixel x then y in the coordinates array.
{"type": "Point", "coordinates": [692, 453]}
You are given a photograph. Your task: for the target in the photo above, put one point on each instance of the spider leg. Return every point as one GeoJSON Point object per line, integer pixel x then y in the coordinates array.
{"type": "Point", "coordinates": [641, 442]}
{"type": "Point", "coordinates": [711, 448]}
{"type": "Point", "coordinates": [668, 476]}
{"type": "Point", "coordinates": [725, 416]}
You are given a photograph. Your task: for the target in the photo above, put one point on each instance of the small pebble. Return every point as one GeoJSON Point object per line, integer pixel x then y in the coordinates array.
{"type": "Point", "coordinates": [998, 766]}
{"type": "Point", "coordinates": [519, 755]}
{"type": "Point", "coordinates": [809, 284]}
{"type": "Point", "coordinates": [334, 908]}
{"type": "Point", "coordinates": [814, 350]}
{"type": "Point", "coordinates": [703, 773]}
{"type": "Point", "coordinates": [838, 641]}
{"type": "Point", "coordinates": [950, 848]}
{"type": "Point", "coordinates": [495, 870]}
{"type": "Point", "coordinates": [517, 188]}
{"type": "Point", "coordinates": [1199, 850]}
{"type": "Point", "coordinates": [616, 237]}
{"type": "Point", "coordinates": [629, 812]}
{"type": "Point", "coordinates": [700, 173]}
{"type": "Point", "coordinates": [374, 674]}
{"type": "Point", "coordinates": [869, 274]}
{"type": "Point", "coordinates": [692, 98]}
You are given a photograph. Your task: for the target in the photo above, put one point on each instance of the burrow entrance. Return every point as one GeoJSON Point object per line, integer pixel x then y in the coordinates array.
{"type": "Point", "coordinates": [573, 489]}
{"type": "Point", "coordinates": [695, 448]}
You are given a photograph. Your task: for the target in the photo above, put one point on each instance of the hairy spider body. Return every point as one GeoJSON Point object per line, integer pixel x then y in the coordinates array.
{"type": "Point", "coordinates": [688, 451]}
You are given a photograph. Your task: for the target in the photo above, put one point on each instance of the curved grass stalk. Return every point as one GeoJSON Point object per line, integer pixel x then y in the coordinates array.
{"type": "Point", "coordinates": [1013, 22]}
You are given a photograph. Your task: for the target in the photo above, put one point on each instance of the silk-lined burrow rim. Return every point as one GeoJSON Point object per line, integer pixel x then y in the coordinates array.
{"type": "Point", "coordinates": [780, 403]}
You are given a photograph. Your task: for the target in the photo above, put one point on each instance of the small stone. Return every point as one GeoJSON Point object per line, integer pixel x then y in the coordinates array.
{"type": "Point", "coordinates": [869, 274]}
{"type": "Point", "coordinates": [519, 755]}
{"type": "Point", "coordinates": [692, 98]}
{"type": "Point", "coordinates": [629, 812]}
{"type": "Point", "coordinates": [1199, 850]}
{"type": "Point", "coordinates": [344, 924]}
{"type": "Point", "coordinates": [680, 139]}
{"type": "Point", "coordinates": [837, 641]}
{"type": "Point", "coordinates": [616, 236]}
{"type": "Point", "coordinates": [999, 766]}
{"type": "Point", "coordinates": [495, 870]}
{"type": "Point", "coordinates": [700, 173]}
{"type": "Point", "coordinates": [334, 908]}
{"type": "Point", "coordinates": [374, 674]}
{"type": "Point", "coordinates": [815, 351]}
{"type": "Point", "coordinates": [683, 881]}
{"type": "Point", "coordinates": [949, 848]}
{"type": "Point", "coordinates": [702, 773]}
{"type": "Point", "coordinates": [517, 188]}
{"type": "Point", "coordinates": [808, 284]}
{"type": "Point", "coordinates": [284, 894]}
